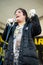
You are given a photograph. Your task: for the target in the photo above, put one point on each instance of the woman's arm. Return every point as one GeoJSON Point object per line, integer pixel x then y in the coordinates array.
{"type": "Point", "coordinates": [10, 23]}
{"type": "Point", "coordinates": [5, 33]}
{"type": "Point", "coordinates": [36, 28]}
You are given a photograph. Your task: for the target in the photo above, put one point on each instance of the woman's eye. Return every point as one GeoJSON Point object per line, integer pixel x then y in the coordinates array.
{"type": "Point", "coordinates": [19, 12]}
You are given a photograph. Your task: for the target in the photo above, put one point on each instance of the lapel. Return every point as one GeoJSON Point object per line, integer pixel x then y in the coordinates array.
{"type": "Point", "coordinates": [14, 27]}
{"type": "Point", "coordinates": [25, 28]}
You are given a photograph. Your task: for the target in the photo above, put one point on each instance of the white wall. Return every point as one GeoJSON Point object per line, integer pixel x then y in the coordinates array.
{"type": "Point", "coordinates": [41, 22]}
{"type": "Point", "coordinates": [7, 7]}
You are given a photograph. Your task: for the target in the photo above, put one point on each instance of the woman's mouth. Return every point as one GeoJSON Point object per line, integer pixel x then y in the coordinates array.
{"type": "Point", "coordinates": [17, 16]}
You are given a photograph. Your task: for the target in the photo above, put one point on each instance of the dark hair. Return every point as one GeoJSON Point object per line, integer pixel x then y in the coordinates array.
{"type": "Point", "coordinates": [24, 12]}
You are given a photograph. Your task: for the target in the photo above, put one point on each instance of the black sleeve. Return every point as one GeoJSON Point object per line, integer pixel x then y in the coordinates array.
{"type": "Point", "coordinates": [36, 28]}
{"type": "Point", "coordinates": [5, 33]}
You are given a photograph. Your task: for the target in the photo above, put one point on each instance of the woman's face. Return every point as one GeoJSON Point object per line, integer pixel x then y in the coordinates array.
{"type": "Point", "coordinates": [19, 16]}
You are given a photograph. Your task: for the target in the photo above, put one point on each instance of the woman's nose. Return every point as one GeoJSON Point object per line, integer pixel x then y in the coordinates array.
{"type": "Point", "coordinates": [16, 13]}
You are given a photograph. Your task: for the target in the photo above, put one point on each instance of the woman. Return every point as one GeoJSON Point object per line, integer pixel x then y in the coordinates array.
{"type": "Point", "coordinates": [21, 49]}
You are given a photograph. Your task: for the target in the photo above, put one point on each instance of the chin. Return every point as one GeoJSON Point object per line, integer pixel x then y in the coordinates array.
{"type": "Point", "coordinates": [18, 20]}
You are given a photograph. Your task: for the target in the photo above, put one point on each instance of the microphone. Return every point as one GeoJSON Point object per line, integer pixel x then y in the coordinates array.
{"type": "Point", "coordinates": [11, 21]}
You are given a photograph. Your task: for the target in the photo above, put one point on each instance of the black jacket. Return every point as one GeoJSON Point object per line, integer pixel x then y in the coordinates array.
{"type": "Point", "coordinates": [27, 54]}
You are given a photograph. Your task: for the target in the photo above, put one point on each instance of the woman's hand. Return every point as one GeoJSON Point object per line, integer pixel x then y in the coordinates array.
{"type": "Point", "coordinates": [10, 21]}
{"type": "Point", "coordinates": [32, 13]}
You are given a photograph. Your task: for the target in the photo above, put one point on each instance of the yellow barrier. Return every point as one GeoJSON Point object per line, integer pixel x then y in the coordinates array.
{"type": "Point", "coordinates": [2, 41]}
{"type": "Point", "coordinates": [38, 41]}
{"type": "Point", "coordinates": [2, 52]}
